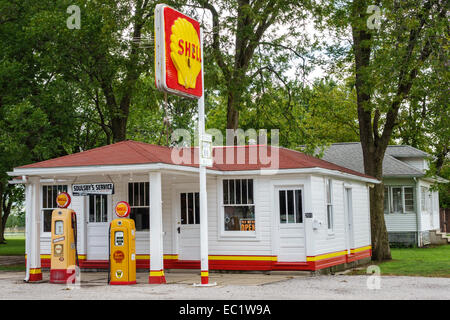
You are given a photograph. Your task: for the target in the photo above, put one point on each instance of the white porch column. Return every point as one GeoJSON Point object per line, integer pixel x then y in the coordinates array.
{"type": "Point", "coordinates": [33, 232]}
{"type": "Point", "coordinates": [156, 231]}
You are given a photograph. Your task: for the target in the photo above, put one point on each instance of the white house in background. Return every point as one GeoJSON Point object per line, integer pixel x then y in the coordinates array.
{"type": "Point", "coordinates": [411, 206]}
{"type": "Point", "coordinates": [308, 214]}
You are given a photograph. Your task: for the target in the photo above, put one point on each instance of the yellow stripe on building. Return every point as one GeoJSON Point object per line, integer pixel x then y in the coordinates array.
{"type": "Point", "coordinates": [156, 273]}
{"type": "Point", "coordinates": [326, 256]}
{"type": "Point", "coordinates": [360, 249]}
{"type": "Point", "coordinates": [35, 271]}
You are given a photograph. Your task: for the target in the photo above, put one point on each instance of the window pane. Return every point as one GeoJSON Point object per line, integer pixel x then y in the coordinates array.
{"type": "Point", "coordinates": [231, 185]}
{"type": "Point", "coordinates": [409, 199]}
{"type": "Point", "coordinates": [44, 197]}
{"type": "Point", "coordinates": [48, 220]}
{"type": "Point", "coordinates": [244, 191]}
{"type": "Point", "coordinates": [330, 216]}
{"type": "Point", "coordinates": [197, 208]}
{"type": "Point", "coordinates": [236, 216]}
{"type": "Point", "coordinates": [54, 195]}
{"type": "Point", "coordinates": [328, 187]}
{"type": "Point", "coordinates": [190, 208]}
{"type": "Point", "coordinates": [250, 191]}
{"type": "Point", "coordinates": [386, 199]}
{"type": "Point", "coordinates": [225, 192]}
{"type": "Point", "coordinates": [238, 191]}
{"type": "Point", "coordinates": [183, 208]}
{"type": "Point", "coordinates": [298, 206]}
{"type": "Point", "coordinates": [91, 209]}
{"type": "Point", "coordinates": [397, 205]}
{"type": "Point", "coordinates": [141, 218]}
{"type": "Point", "coordinates": [290, 206]}
{"type": "Point", "coordinates": [104, 208]}
{"type": "Point", "coordinates": [282, 197]}
{"type": "Point", "coordinates": [136, 194]}
{"type": "Point", "coordinates": [98, 209]}
{"type": "Point", "coordinates": [130, 194]}
{"type": "Point", "coordinates": [147, 194]}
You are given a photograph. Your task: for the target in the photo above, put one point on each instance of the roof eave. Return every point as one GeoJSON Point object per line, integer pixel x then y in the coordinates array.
{"type": "Point", "coordinates": [122, 169]}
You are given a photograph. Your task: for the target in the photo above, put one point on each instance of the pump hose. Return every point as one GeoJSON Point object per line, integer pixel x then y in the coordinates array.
{"type": "Point", "coordinates": [75, 236]}
{"type": "Point", "coordinates": [109, 253]}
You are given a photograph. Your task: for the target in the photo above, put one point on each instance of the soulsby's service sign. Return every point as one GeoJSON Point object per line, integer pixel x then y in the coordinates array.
{"type": "Point", "coordinates": [178, 53]}
{"type": "Point", "coordinates": [92, 189]}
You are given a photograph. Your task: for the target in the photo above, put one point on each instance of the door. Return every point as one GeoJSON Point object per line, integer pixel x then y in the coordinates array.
{"type": "Point", "coordinates": [189, 226]}
{"type": "Point", "coordinates": [291, 229]}
{"type": "Point", "coordinates": [349, 216]}
{"type": "Point", "coordinates": [97, 227]}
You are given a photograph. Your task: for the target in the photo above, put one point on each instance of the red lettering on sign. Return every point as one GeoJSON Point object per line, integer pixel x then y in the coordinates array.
{"type": "Point", "coordinates": [180, 44]}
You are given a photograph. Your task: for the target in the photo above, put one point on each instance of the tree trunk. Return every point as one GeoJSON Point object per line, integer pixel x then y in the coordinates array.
{"type": "Point", "coordinates": [380, 241]}
{"type": "Point", "coordinates": [119, 128]}
{"type": "Point", "coordinates": [232, 112]}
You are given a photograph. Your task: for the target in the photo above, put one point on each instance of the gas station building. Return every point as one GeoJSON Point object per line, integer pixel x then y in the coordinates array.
{"type": "Point", "coordinates": [274, 210]}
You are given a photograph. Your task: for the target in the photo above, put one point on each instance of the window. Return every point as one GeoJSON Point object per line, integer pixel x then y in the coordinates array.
{"type": "Point", "coordinates": [239, 207]}
{"type": "Point", "coordinates": [386, 200]}
{"type": "Point", "coordinates": [98, 208]}
{"type": "Point", "coordinates": [49, 194]}
{"type": "Point", "coordinates": [409, 198]}
{"type": "Point", "coordinates": [290, 206]}
{"type": "Point", "coordinates": [329, 192]}
{"type": "Point", "coordinates": [425, 198]}
{"type": "Point", "coordinates": [138, 198]}
{"type": "Point", "coordinates": [190, 208]}
{"type": "Point", "coordinates": [399, 199]}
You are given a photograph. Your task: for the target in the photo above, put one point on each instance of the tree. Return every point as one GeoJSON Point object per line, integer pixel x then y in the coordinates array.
{"type": "Point", "coordinates": [237, 37]}
{"type": "Point", "coordinates": [388, 59]}
{"type": "Point", "coordinates": [36, 106]}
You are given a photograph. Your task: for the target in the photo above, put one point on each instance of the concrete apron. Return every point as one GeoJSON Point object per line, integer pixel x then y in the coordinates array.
{"type": "Point", "coordinates": [186, 278]}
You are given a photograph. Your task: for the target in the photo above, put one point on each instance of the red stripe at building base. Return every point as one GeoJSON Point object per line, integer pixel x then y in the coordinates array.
{"type": "Point", "coordinates": [157, 277]}
{"type": "Point", "coordinates": [35, 275]}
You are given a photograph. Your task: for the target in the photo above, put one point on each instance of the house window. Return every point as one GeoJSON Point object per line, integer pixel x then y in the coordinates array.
{"type": "Point", "coordinates": [399, 199]}
{"type": "Point", "coordinates": [98, 208]}
{"type": "Point", "coordinates": [424, 199]}
{"type": "Point", "coordinates": [239, 207]}
{"type": "Point", "coordinates": [386, 200]}
{"type": "Point", "coordinates": [290, 206]}
{"type": "Point", "coordinates": [190, 208]}
{"type": "Point", "coordinates": [329, 193]}
{"type": "Point", "coordinates": [138, 198]}
{"type": "Point", "coordinates": [49, 194]}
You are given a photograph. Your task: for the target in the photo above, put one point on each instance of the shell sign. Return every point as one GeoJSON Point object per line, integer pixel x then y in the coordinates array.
{"type": "Point", "coordinates": [178, 53]}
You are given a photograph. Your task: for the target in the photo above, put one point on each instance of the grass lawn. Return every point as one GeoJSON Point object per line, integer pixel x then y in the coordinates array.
{"type": "Point", "coordinates": [15, 246]}
{"type": "Point", "coordinates": [433, 261]}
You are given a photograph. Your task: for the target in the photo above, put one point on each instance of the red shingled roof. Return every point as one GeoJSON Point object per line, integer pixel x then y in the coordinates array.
{"type": "Point", "coordinates": [225, 158]}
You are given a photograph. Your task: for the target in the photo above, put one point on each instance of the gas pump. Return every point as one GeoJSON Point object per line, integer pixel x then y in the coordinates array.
{"type": "Point", "coordinates": [122, 247]}
{"type": "Point", "coordinates": [64, 253]}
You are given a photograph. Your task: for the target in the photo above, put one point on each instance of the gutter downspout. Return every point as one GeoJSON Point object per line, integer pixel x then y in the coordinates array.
{"type": "Point", "coordinates": [417, 211]}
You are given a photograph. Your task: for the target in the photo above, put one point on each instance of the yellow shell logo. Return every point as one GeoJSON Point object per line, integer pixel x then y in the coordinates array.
{"type": "Point", "coordinates": [185, 52]}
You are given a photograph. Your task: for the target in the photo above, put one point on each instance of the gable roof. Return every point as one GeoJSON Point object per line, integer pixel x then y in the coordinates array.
{"type": "Point", "coordinates": [405, 151]}
{"type": "Point", "coordinates": [132, 152]}
{"type": "Point", "coordinates": [350, 155]}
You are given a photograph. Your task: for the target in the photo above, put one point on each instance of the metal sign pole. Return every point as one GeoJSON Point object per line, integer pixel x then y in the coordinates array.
{"type": "Point", "coordinates": [204, 266]}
